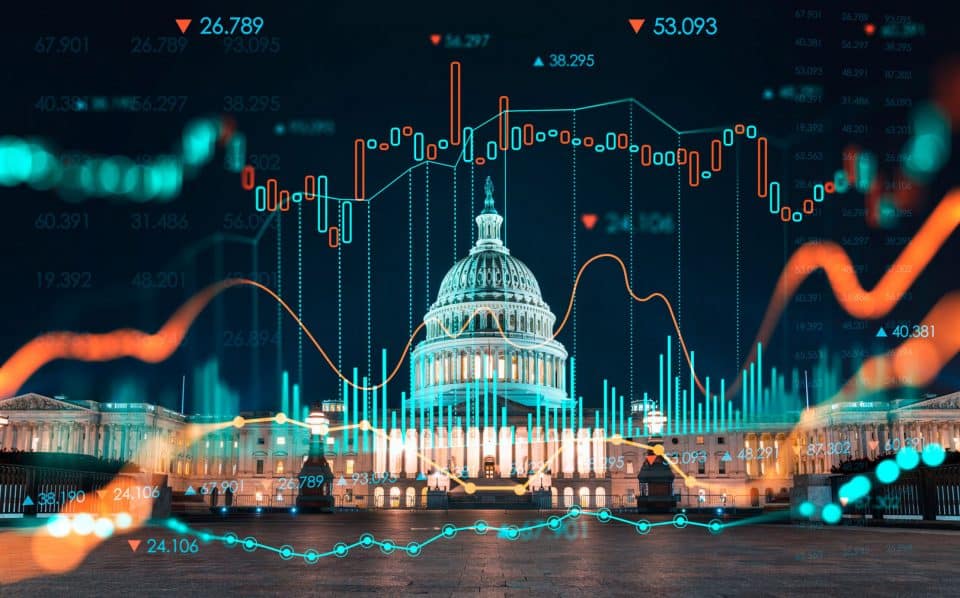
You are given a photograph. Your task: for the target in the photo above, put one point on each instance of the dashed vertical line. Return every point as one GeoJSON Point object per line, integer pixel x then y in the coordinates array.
{"type": "Point", "coordinates": [633, 221]}
{"type": "Point", "coordinates": [426, 233]}
{"type": "Point", "coordinates": [573, 230]}
{"type": "Point", "coordinates": [456, 222]}
{"type": "Point", "coordinates": [473, 209]}
{"type": "Point", "coordinates": [299, 297]}
{"type": "Point", "coordinates": [410, 249]}
{"type": "Point", "coordinates": [369, 291]}
{"type": "Point", "coordinates": [279, 292]}
{"type": "Point", "coordinates": [679, 262]}
{"type": "Point", "coordinates": [737, 277]}
{"type": "Point", "coordinates": [339, 314]}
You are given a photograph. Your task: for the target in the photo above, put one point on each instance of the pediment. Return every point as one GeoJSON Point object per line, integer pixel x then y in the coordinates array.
{"type": "Point", "coordinates": [950, 401]}
{"type": "Point", "coordinates": [36, 402]}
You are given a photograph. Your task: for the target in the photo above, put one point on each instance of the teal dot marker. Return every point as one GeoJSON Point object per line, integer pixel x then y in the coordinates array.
{"type": "Point", "coordinates": [553, 522]}
{"type": "Point", "coordinates": [888, 471]}
{"type": "Point", "coordinates": [366, 540]}
{"type": "Point", "coordinates": [908, 458]}
{"type": "Point", "coordinates": [806, 509]}
{"type": "Point", "coordinates": [933, 455]}
{"type": "Point", "coordinates": [831, 513]}
{"type": "Point", "coordinates": [311, 556]}
{"type": "Point", "coordinates": [449, 530]}
{"type": "Point", "coordinates": [643, 527]}
{"type": "Point", "coordinates": [341, 550]}
{"type": "Point", "coordinates": [480, 527]}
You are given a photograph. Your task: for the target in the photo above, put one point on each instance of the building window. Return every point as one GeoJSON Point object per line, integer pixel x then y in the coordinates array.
{"type": "Point", "coordinates": [721, 440]}
{"type": "Point", "coordinates": [279, 468]}
{"type": "Point", "coordinates": [260, 440]}
{"type": "Point", "coordinates": [722, 467]}
{"type": "Point", "coordinates": [699, 439]}
{"type": "Point", "coordinates": [701, 467]}
{"type": "Point", "coordinates": [348, 495]}
{"type": "Point", "coordinates": [281, 439]}
{"type": "Point", "coordinates": [349, 467]}
{"type": "Point", "coordinates": [259, 466]}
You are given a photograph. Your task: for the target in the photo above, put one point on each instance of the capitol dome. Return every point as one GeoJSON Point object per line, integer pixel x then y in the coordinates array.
{"type": "Point", "coordinates": [507, 336]}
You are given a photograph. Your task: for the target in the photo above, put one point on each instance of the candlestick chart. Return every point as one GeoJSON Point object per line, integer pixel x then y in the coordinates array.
{"type": "Point", "coordinates": [330, 283]}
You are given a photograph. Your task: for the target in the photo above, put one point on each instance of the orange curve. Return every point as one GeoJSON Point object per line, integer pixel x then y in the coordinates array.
{"type": "Point", "coordinates": [841, 274]}
{"type": "Point", "coordinates": [916, 361]}
{"type": "Point", "coordinates": [160, 345]}
{"type": "Point", "coordinates": [811, 257]}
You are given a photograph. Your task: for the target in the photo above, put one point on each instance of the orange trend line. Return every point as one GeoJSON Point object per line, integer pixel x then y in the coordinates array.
{"type": "Point", "coordinates": [841, 274]}
{"type": "Point", "coordinates": [916, 361]}
{"type": "Point", "coordinates": [811, 257]}
{"type": "Point", "coordinates": [160, 345]}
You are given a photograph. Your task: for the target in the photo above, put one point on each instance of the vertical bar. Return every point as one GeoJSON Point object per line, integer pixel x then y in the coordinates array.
{"type": "Point", "coordinates": [323, 213]}
{"type": "Point", "coordinates": [356, 413]}
{"type": "Point", "coordinates": [723, 404]}
{"type": "Point", "coordinates": [272, 194]}
{"type": "Point", "coordinates": [468, 144]}
{"type": "Point", "coordinates": [606, 398]}
{"type": "Point", "coordinates": [346, 414]}
{"type": "Point", "coordinates": [716, 155]}
{"type": "Point", "coordinates": [418, 144]}
{"type": "Point", "coordinates": [359, 169]}
{"type": "Point", "coordinates": [752, 416]}
{"type": "Point", "coordinates": [529, 433]}
{"type": "Point", "coordinates": [744, 399]}
{"type": "Point", "coordinates": [621, 415]}
{"type": "Point", "coordinates": [503, 118]}
{"type": "Point", "coordinates": [383, 387]}
{"type": "Point", "coordinates": [365, 434]}
{"type": "Point", "coordinates": [760, 375]}
{"type": "Point", "coordinates": [706, 400]}
{"type": "Point", "coordinates": [762, 167]}
{"type": "Point", "coordinates": [346, 222]}
{"type": "Point", "coordinates": [285, 393]}
{"type": "Point", "coordinates": [693, 386]}
{"type": "Point", "coordinates": [700, 418]}
{"type": "Point", "coordinates": [580, 413]}
{"type": "Point", "coordinates": [260, 198]}
{"type": "Point", "coordinates": [573, 378]}
{"type": "Point", "coordinates": [676, 404]}
{"type": "Point", "coordinates": [455, 102]}
{"type": "Point", "coordinates": [403, 414]}
{"type": "Point", "coordinates": [693, 169]}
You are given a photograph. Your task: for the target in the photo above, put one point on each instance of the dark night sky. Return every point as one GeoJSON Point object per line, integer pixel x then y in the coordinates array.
{"type": "Point", "coordinates": [368, 69]}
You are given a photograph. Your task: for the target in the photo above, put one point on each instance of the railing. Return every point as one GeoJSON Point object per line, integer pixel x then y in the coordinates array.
{"type": "Point", "coordinates": [925, 493]}
{"type": "Point", "coordinates": [267, 500]}
{"type": "Point", "coordinates": [26, 490]}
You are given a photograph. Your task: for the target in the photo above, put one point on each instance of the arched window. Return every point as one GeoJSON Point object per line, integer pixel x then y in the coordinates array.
{"type": "Point", "coordinates": [411, 498]}
{"type": "Point", "coordinates": [553, 497]}
{"type": "Point", "coordinates": [600, 496]}
{"type": "Point", "coordinates": [513, 322]}
{"type": "Point", "coordinates": [378, 497]}
{"type": "Point", "coordinates": [394, 498]}
{"type": "Point", "coordinates": [584, 497]}
{"type": "Point", "coordinates": [567, 497]}
{"type": "Point", "coordinates": [523, 323]}
{"type": "Point", "coordinates": [513, 367]}
{"type": "Point", "coordinates": [463, 367]}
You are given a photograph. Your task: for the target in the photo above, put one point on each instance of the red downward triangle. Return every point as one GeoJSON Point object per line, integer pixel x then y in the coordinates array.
{"type": "Point", "coordinates": [637, 24]}
{"type": "Point", "coordinates": [651, 459]}
{"type": "Point", "coordinates": [134, 544]}
{"type": "Point", "coordinates": [435, 39]}
{"type": "Point", "coordinates": [589, 220]}
{"type": "Point", "coordinates": [183, 24]}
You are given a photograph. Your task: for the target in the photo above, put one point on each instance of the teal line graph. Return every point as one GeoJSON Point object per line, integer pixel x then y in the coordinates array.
{"type": "Point", "coordinates": [449, 531]}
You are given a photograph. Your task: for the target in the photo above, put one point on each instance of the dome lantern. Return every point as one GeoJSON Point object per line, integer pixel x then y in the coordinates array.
{"type": "Point", "coordinates": [488, 223]}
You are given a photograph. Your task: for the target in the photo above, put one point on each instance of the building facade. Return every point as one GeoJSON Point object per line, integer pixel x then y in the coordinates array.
{"type": "Point", "coordinates": [489, 414]}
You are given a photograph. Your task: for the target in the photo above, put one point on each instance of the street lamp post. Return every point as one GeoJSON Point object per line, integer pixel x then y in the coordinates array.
{"type": "Point", "coordinates": [316, 476]}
